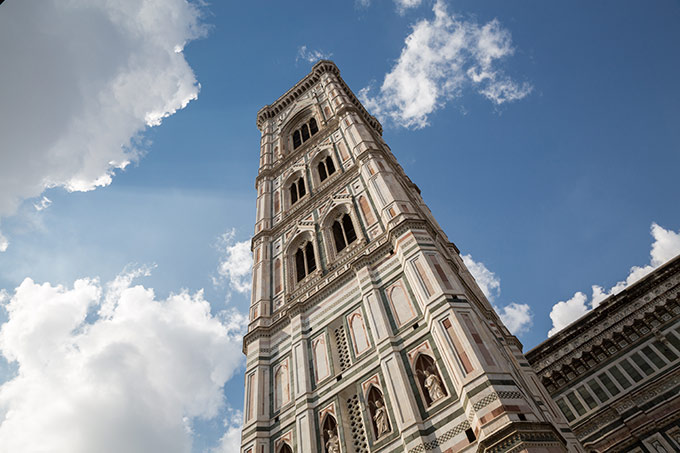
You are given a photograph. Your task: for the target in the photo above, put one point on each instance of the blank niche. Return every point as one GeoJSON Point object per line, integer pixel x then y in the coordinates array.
{"type": "Point", "coordinates": [359, 334]}
{"type": "Point", "coordinates": [281, 386]}
{"type": "Point", "coordinates": [401, 305]}
{"type": "Point", "coordinates": [320, 358]}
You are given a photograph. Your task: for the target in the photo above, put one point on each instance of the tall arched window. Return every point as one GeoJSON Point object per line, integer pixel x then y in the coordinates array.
{"type": "Point", "coordinates": [305, 263]}
{"type": "Point", "coordinates": [305, 132]}
{"type": "Point", "coordinates": [343, 232]}
{"type": "Point", "coordinates": [297, 190]}
{"type": "Point", "coordinates": [326, 168]}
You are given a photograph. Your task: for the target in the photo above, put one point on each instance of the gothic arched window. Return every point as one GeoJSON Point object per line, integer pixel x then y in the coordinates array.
{"type": "Point", "coordinates": [305, 132]}
{"type": "Point", "coordinates": [297, 190]}
{"type": "Point", "coordinates": [285, 448]}
{"type": "Point", "coordinates": [343, 232]}
{"type": "Point", "coordinates": [305, 263]}
{"type": "Point", "coordinates": [326, 168]}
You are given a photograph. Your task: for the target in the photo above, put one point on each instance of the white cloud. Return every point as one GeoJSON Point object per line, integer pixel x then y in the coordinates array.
{"type": "Point", "coordinates": [44, 203]}
{"type": "Point", "coordinates": [236, 263]}
{"type": "Point", "coordinates": [4, 243]}
{"type": "Point", "coordinates": [666, 246]}
{"type": "Point", "coordinates": [440, 58]}
{"type": "Point", "coordinates": [516, 317]}
{"type": "Point", "coordinates": [311, 56]}
{"type": "Point", "coordinates": [403, 5]}
{"type": "Point", "coordinates": [111, 369]}
{"type": "Point", "coordinates": [487, 280]}
{"type": "Point", "coordinates": [230, 442]}
{"type": "Point", "coordinates": [81, 81]}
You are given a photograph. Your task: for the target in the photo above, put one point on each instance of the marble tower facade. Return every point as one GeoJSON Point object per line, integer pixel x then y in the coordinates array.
{"type": "Point", "coordinates": [367, 333]}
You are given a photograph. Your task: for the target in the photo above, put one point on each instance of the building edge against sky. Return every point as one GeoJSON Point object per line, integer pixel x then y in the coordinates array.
{"type": "Point", "coordinates": [367, 333]}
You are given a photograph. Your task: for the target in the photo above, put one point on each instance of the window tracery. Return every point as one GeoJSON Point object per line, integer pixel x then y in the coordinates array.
{"type": "Point", "coordinates": [305, 262]}
{"type": "Point", "coordinates": [326, 167]}
{"type": "Point", "coordinates": [343, 232]}
{"type": "Point", "coordinates": [305, 132]}
{"type": "Point", "coordinates": [297, 190]}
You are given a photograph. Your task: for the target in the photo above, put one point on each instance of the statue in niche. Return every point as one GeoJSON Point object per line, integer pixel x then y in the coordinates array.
{"type": "Point", "coordinates": [378, 412]}
{"type": "Point", "coordinates": [434, 386]}
{"type": "Point", "coordinates": [333, 443]}
{"type": "Point", "coordinates": [430, 381]}
{"type": "Point", "coordinates": [381, 421]}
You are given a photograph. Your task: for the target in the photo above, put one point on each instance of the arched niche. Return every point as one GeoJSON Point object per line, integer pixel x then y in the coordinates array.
{"type": "Point", "coordinates": [378, 411]}
{"type": "Point", "coordinates": [429, 379]}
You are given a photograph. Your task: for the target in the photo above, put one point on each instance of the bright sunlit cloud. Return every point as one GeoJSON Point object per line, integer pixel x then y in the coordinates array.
{"type": "Point", "coordinates": [666, 246]}
{"type": "Point", "coordinates": [516, 317]}
{"type": "Point", "coordinates": [311, 56]}
{"type": "Point", "coordinates": [81, 81]}
{"type": "Point", "coordinates": [441, 57]}
{"type": "Point", "coordinates": [111, 368]}
{"type": "Point", "coordinates": [236, 263]}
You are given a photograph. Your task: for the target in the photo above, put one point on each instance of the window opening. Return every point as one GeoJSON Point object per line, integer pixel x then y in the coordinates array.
{"type": "Point", "coordinates": [343, 232]}
{"type": "Point", "coordinates": [297, 190]}
{"type": "Point", "coordinates": [305, 132]}
{"type": "Point", "coordinates": [326, 168]}
{"type": "Point", "coordinates": [305, 263]}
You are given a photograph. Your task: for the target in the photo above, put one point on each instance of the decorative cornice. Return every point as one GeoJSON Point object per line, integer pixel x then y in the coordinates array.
{"type": "Point", "coordinates": [320, 68]}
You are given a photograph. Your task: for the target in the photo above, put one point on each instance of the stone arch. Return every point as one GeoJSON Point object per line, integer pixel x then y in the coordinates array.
{"type": "Point", "coordinates": [285, 448]}
{"type": "Point", "coordinates": [326, 224]}
{"type": "Point", "coordinates": [300, 240]}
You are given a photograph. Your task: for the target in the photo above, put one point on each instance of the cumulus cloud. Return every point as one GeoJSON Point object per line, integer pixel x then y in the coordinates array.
{"type": "Point", "coordinates": [81, 81]}
{"type": "Point", "coordinates": [516, 317]}
{"type": "Point", "coordinates": [666, 246]}
{"type": "Point", "coordinates": [111, 368]}
{"type": "Point", "coordinates": [487, 280]}
{"type": "Point", "coordinates": [311, 56]}
{"type": "Point", "coordinates": [440, 58]}
{"type": "Point", "coordinates": [236, 263]}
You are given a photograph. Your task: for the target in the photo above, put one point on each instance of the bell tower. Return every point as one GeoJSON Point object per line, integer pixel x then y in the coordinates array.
{"type": "Point", "coordinates": [367, 333]}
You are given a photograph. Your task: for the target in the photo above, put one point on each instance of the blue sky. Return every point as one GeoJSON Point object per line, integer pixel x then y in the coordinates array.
{"type": "Point", "coordinates": [549, 193]}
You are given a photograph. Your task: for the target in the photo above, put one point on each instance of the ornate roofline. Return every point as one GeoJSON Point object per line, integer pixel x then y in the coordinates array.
{"type": "Point", "coordinates": [574, 333]}
{"type": "Point", "coordinates": [321, 67]}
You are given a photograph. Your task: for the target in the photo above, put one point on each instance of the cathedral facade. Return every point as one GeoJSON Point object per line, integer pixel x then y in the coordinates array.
{"type": "Point", "coordinates": [367, 333]}
{"type": "Point", "coordinates": [615, 372]}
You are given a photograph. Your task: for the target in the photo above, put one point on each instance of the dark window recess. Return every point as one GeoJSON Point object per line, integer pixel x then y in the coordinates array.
{"type": "Point", "coordinates": [311, 261]}
{"type": "Point", "coordinates": [613, 390]}
{"type": "Point", "coordinates": [338, 237]}
{"type": "Point", "coordinates": [653, 356]}
{"type": "Point", "coordinates": [642, 364]}
{"type": "Point", "coordinates": [630, 370]}
{"type": "Point", "coordinates": [573, 399]}
{"type": "Point", "coordinates": [620, 378]}
{"type": "Point", "coordinates": [300, 264]}
{"type": "Point", "coordinates": [326, 168]}
{"type": "Point", "coordinates": [665, 350]}
{"type": "Point", "coordinates": [343, 232]}
{"type": "Point", "coordinates": [599, 391]}
{"type": "Point", "coordinates": [565, 410]}
{"type": "Point", "coordinates": [297, 190]}
{"type": "Point", "coordinates": [470, 435]}
{"type": "Point", "coordinates": [322, 171]}
{"type": "Point", "coordinates": [303, 134]}
{"type": "Point", "coordinates": [587, 397]}
{"type": "Point", "coordinates": [522, 417]}
{"type": "Point", "coordinates": [305, 263]}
